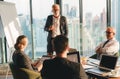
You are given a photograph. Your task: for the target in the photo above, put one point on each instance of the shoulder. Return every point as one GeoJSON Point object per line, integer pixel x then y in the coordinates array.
{"type": "Point", "coordinates": [47, 64]}
{"type": "Point", "coordinates": [74, 64]}
{"type": "Point", "coordinates": [114, 40]}
{"type": "Point", "coordinates": [48, 61]}
{"type": "Point", "coordinates": [70, 64]}
{"type": "Point", "coordinates": [50, 16]}
{"type": "Point", "coordinates": [17, 53]}
{"type": "Point", "coordinates": [22, 56]}
{"type": "Point", "coordinates": [63, 17]}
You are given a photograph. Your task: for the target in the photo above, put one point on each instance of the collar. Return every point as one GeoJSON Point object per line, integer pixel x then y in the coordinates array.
{"type": "Point", "coordinates": [56, 16]}
{"type": "Point", "coordinates": [112, 39]}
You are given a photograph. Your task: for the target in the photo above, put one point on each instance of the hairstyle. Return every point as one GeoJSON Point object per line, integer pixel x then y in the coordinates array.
{"type": "Point", "coordinates": [55, 6]}
{"type": "Point", "coordinates": [18, 41]}
{"type": "Point", "coordinates": [60, 43]}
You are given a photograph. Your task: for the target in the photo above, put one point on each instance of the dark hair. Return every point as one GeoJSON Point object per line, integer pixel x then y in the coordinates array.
{"type": "Point", "coordinates": [18, 41]}
{"type": "Point", "coordinates": [60, 43]}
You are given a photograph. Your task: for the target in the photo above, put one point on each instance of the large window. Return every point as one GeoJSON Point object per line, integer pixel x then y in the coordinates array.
{"type": "Point", "coordinates": [40, 13]}
{"type": "Point", "coordinates": [70, 9]}
{"type": "Point", "coordinates": [94, 24]}
{"type": "Point", "coordinates": [86, 23]}
{"type": "Point", "coordinates": [34, 29]}
{"type": "Point", "coordinates": [2, 52]}
{"type": "Point", "coordinates": [23, 11]}
{"type": "Point", "coordinates": [115, 17]}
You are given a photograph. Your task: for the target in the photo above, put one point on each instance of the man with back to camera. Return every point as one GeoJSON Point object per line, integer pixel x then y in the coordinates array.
{"type": "Point", "coordinates": [60, 67]}
{"type": "Point", "coordinates": [110, 46]}
{"type": "Point", "coordinates": [55, 25]}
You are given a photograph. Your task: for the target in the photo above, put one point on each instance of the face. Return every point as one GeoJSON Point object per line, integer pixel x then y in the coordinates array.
{"type": "Point", "coordinates": [110, 33]}
{"type": "Point", "coordinates": [23, 44]}
{"type": "Point", "coordinates": [56, 10]}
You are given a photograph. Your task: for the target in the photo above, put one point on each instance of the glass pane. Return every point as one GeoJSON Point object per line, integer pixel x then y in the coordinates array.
{"type": "Point", "coordinates": [1, 50]}
{"type": "Point", "coordinates": [115, 17]}
{"type": "Point", "coordinates": [40, 14]}
{"type": "Point", "coordinates": [94, 24]}
{"type": "Point", "coordinates": [70, 9]}
{"type": "Point", "coordinates": [23, 11]}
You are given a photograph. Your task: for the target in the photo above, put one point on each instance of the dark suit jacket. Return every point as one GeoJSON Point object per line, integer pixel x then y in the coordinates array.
{"type": "Point", "coordinates": [63, 25]}
{"type": "Point", "coordinates": [21, 60]}
{"type": "Point", "coordinates": [61, 68]}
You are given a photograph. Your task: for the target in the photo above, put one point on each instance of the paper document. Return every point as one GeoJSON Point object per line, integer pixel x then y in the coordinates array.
{"type": "Point", "coordinates": [87, 66]}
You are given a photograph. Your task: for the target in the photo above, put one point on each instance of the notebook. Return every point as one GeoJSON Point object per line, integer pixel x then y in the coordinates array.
{"type": "Point", "coordinates": [106, 64]}
{"type": "Point", "coordinates": [74, 56]}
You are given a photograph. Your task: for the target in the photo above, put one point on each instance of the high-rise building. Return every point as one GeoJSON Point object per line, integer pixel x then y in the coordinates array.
{"type": "Point", "coordinates": [66, 10]}
{"type": "Point", "coordinates": [115, 18]}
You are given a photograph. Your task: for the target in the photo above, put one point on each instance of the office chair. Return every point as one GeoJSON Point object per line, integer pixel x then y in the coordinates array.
{"type": "Point", "coordinates": [23, 73]}
{"type": "Point", "coordinates": [95, 55]}
{"type": "Point", "coordinates": [117, 54]}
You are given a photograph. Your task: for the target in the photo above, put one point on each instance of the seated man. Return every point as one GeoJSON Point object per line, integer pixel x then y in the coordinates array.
{"type": "Point", "coordinates": [60, 67]}
{"type": "Point", "coordinates": [110, 47]}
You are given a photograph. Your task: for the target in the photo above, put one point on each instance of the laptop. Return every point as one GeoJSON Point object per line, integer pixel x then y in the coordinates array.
{"type": "Point", "coordinates": [107, 64]}
{"type": "Point", "coordinates": [74, 56]}
{"type": "Point", "coordinates": [45, 57]}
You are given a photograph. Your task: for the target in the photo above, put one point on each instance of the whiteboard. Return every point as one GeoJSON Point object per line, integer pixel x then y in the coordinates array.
{"type": "Point", "coordinates": [11, 25]}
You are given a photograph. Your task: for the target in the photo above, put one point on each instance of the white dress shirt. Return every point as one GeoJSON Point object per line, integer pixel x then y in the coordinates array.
{"type": "Point", "coordinates": [56, 24]}
{"type": "Point", "coordinates": [110, 47]}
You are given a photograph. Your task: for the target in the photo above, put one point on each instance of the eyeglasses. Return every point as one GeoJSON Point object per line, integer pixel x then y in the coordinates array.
{"type": "Point", "coordinates": [108, 32]}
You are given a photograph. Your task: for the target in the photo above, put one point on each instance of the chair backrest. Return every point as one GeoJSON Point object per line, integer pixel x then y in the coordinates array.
{"type": "Point", "coordinates": [23, 73]}
{"type": "Point", "coordinates": [95, 55]}
{"type": "Point", "coordinates": [116, 54]}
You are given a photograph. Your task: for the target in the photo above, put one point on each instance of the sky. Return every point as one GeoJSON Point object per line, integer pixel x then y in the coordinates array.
{"type": "Point", "coordinates": [94, 6]}
{"type": "Point", "coordinates": [41, 8]}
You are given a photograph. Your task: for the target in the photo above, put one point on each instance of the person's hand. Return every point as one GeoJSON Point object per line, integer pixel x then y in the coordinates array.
{"type": "Point", "coordinates": [52, 27]}
{"type": "Point", "coordinates": [99, 51]}
{"type": "Point", "coordinates": [36, 62]}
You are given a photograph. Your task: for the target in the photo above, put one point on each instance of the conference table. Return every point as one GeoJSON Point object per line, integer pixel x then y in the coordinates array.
{"type": "Point", "coordinates": [91, 64]}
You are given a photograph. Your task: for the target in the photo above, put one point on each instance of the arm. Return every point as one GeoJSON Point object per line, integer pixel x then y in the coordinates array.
{"type": "Point", "coordinates": [66, 27]}
{"type": "Point", "coordinates": [48, 23]}
{"type": "Point", "coordinates": [98, 49]}
{"type": "Point", "coordinates": [82, 73]}
{"type": "Point", "coordinates": [63, 26]}
{"type": "Point", "coordinates": [38, 64]}
{"type": "Point", "coordinates": [25, 61]}
{"type": "Point", "coordinates": [111, 48]}
{"type": "Point", "coordinates": [44, 70]}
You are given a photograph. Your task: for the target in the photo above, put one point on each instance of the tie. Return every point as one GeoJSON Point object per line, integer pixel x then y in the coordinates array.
{"type": "Point", "coordinates": [105, 43]}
